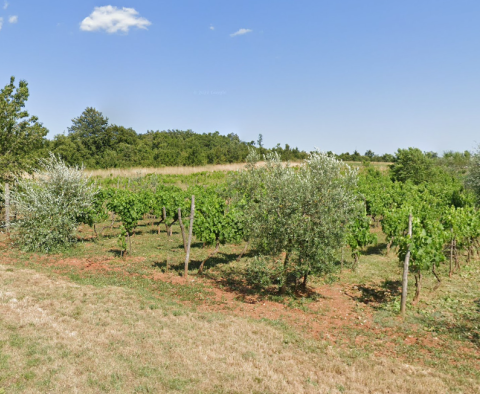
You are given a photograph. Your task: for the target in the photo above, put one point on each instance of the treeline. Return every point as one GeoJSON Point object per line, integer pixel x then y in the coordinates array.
{"type": "Point", "coordinates": [92, 141]}
{"type": "Point", "coordinates": [368, 156]}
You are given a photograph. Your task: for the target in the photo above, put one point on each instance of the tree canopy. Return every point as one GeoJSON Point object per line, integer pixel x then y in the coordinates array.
{"type": "Point", "coordinates": [22, 136]}
{"type": "Point", "coordinates": [92, 141]}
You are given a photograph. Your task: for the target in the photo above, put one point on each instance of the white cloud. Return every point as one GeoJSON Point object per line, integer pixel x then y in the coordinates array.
{"type": "Point", "coordinates": [13, 19]}
{"type": "Point", "coordinates": [112, 19]}
{"type": "Point", "coordinates": [240, 32]}
{"type": "Point", "coordinates": [5, 5]}
{"type": "Point", "coordinates": [1, 23]}
{"type": "Point", "coordinates": [212, 27]}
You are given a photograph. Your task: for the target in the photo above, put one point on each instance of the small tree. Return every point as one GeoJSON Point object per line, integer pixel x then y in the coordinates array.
{"type": "Point", "coordinates": [472, 180]}
{"type": "Point", "coordinates": [302, 213]}
{"type": "Point", "coordinates": [21, 136]}
{"type": "Point", "coordinates": [51, 205]}
{"type": "Point", "coordinates": [412, 164]}
{"type": "Point", "coordinates": [90, 134]}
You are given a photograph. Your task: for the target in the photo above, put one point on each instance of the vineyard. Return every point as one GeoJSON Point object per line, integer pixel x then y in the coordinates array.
{"type": "Point", "coordinates": [445, 226]}
{"type": "Point", "coordinates": [273, 243]}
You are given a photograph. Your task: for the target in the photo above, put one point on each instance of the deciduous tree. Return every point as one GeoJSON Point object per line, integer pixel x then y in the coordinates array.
{"type": "Point", "coordinates": [21, 136]}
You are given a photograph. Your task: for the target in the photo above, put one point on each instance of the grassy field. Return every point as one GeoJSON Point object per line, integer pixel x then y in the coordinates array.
{"type": "Point", "coordinates": [90, 321]}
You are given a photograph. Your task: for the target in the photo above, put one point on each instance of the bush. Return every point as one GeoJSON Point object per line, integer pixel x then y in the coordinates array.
{"type": "Point", "coordinates": [51, 205]}
{"type": "Point", "coordinates": [261, 274]}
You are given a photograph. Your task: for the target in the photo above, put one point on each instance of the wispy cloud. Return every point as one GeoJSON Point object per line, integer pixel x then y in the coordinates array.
{"type": "Point", "coordinates": [212, 27]}
{"type": "Point", "coordinates": [113, 19]}
{"type": "Point", "coordinates": [13, 19]}
{"type": "Point", "coordinates": [241, 32]}
{"type": "Point", "coordinates": [1, 23]}
{"type": "Point", "coordinates": [5, 5]}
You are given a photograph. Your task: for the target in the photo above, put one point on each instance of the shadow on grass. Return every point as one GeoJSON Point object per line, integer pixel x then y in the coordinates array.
{"type": "Point", "coordinates": [378, 249]}
{"type": "Point", "coordinates": [459, 324]}
{"type": "Point", "coordinates": [379, 294]}
{"type": "Point", "coordinates": [477, 303]}
{"type": "Point", "coordinates": [161, 265]}
{"type": "Point", "coordinates": [117, 252]}
{"type": "Point", "coordinates": [107, 236]}
{"type": "Point", "coordinates": [232, 278]}
{"type": "Point", "coordinates": [220, 258]}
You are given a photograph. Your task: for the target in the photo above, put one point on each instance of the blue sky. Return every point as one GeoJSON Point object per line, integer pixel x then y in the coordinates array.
{"type": "Point", "coordinates": [339, 75]}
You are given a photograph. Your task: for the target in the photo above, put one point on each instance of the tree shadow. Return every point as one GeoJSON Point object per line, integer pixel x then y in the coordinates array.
{"type": "Point", "coordinates": [232, 278]}
{"type": "Point", "coordinates": [161, 265]}
{"type": "Point", "coordinates": [107, 236]}
{"type": "Point", "coordinates": [220, 258]}
{"type": "Point", "coordinates": [379, 294]}
{"type": "Point", "coordinates": [377, 249]}
{"type": "Point", "coordinates": [464, 326]}
{"type": "Point", "coordinates": [116, 252]}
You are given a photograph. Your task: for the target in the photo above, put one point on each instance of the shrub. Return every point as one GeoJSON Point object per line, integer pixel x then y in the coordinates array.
{"type": "Point", "coordinates": [262, 274]}
{"type": "Point", "coordinates": [50, 206]}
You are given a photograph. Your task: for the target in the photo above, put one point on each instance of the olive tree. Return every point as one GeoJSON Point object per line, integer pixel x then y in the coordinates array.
{"type": "Point", "coordinates": [301, 213]}
{"type": "Point", "coordinates": [51, 205]}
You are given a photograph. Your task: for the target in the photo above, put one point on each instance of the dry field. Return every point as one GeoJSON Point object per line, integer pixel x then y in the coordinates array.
{"type": "Point", "coordinates": [58, 336]}
{"type": "Point", "coordinates": [140, 172]}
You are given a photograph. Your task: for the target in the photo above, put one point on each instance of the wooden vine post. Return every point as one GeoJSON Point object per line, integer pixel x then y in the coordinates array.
{"type": "Point", "coordinates": [190, 232]}
{"type": "Point", "coordinates": [405, 270]}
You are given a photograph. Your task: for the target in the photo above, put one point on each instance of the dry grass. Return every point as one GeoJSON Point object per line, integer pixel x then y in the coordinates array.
{"type": "Point", "coordinates": [139, 172]}
{"type": "Point", "coordinates": [56, 336]}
